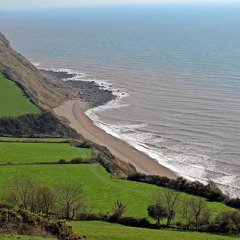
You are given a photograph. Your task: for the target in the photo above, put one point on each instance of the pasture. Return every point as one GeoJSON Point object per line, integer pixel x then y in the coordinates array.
{"type": "Point", "coordinates": [100, 189]}
{"type": "Point", "coordinates": [13, 101]}
{"type": "Point", "coordinates": [95, 230]}
{"type": "Point", "coordinates": [39, 152]}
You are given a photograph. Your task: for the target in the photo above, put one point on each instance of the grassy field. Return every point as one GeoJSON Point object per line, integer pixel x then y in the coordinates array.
{"type": "Point", "coordinates": [20, 152]}
{"type": "Point", "coordinates": [101, 231]}
{"type": "Point", "coordinates": [101, 190]}
{"type": "Point", "coordinates": [20, 237]}
{"type": "Point", "coordinates": [13, 101]}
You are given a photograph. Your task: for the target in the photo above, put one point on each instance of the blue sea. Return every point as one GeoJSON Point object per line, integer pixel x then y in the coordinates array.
{"type": "Point", "coordinates": [175, 69]}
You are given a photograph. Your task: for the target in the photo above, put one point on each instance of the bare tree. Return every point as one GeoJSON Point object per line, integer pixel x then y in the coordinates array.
{"type": "Point", "coordinates": [21, 191]}
{"type": "Point", "coordinates": [187, 211]}
{"type": "Point", "coordinates": [118, 210]}
{"type": "Point", "coordinates": [169, 199]}
{"type": "Point", "coordinates": [199, 206]}
{"type": "Point", "coordinates": [69, 199]}
{"type": "Point", "coordinates": [193, 211]}
{"type": "Point", "coordinates": [45, 198]}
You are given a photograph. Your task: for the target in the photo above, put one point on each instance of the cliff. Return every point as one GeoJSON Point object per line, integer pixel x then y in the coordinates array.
{"type": "Point", "coordinates": [45, 92]}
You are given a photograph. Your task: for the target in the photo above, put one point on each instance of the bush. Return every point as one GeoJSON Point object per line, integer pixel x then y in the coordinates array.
{"type": "Point", "coordinates": [227, 222]}
{"type": "Point", "coordinates": [93, 216]}
{"type": "Point", "coordinates": [62, 161]}
{"type": "Point", "coordinates": [233, 202]}
{"type": "Point", "coordinates": [77, 160]}
{"type": "Point", "coordinates": [26, 223]}
{"type": "Point", "coordinates": [136, 222]}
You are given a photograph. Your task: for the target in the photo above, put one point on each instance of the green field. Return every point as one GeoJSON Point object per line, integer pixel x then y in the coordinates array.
{"type": "Point", "coordinates": [20, 237]}
{"type": "Point", "coordinates": [101, 231]}
{"type": "Point", "coordinates": [100, 190]}
{"type": "Point", "coordinates": [20, 152]}
{"type": "Point", "coordinates": [13, 101]}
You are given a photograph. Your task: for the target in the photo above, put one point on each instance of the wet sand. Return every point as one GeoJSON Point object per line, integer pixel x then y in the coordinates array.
{"type": "Point", "coordinates": [73, 111]}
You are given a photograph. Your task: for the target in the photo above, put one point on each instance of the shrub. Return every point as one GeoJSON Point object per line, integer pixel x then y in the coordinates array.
{"type": "Point", "coordinates": [227, 222]}
{"type": "Point", "coordinates": [136, 222]}
{"type": "Point", "coordinates": [77, 160]}
{"type": "Point", "coordinates": [62, 161]}
{"type": "Point", "coordinates": [26, 223]}
{"type": "Point", "coordinates": [89, 216]}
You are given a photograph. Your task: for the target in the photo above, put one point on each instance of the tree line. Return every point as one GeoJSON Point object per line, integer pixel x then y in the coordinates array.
{"type": "Point", "coordinates": [209, 191]}
{"type": "Point", "coordinates": [193, 213]}
{"type": "Point", "coordinates": [66, 201]}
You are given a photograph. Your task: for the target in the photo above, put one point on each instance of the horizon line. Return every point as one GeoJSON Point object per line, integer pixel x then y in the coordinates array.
{"type": "Point", "coordinates": [164, 2]}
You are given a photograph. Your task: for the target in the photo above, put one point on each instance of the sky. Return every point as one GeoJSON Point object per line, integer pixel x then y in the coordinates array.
{"type": "Point", "coordinates": [12, 4]}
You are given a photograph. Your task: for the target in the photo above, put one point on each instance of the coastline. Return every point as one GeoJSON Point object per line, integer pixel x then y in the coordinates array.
{"type": "Point", "coordinates": [73, 112]}
{"type": "Point", "coordinates": [92, 94]}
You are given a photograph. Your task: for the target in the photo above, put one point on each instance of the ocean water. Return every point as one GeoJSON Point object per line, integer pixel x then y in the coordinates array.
{"type": "Point", "coordinates": [175, 69]}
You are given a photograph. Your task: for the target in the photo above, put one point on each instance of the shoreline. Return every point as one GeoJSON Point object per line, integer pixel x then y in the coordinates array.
{"type": "Point", "coordinates": [73, 112]}
{"type": "Point", "coordinates": [89, 91]}
{"type": "Point", "coordinates": [93, 95]}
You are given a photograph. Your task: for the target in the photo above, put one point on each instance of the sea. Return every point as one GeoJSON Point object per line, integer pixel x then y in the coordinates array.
{"type": "Point", "coordinates": [174, 68]}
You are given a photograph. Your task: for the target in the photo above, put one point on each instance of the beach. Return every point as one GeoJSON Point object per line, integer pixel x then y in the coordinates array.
{"type": "Point", "coordinates": [73, 112]}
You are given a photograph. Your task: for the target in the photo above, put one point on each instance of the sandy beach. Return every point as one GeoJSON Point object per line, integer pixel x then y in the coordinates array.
{"type": "Point", "coordinates": [73, 111]}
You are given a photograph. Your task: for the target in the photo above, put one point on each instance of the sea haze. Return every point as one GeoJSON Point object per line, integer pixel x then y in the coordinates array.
{"type": "Point", "coordinates": [175, 69]}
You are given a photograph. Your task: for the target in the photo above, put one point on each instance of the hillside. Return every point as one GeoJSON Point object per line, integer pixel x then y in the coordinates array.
{"type": "Point", "coordinates": [100, 189]}
{"type": "Point", "coordinates": [13, 101]}
{"type": "Point", "coordinates": [44, 91]}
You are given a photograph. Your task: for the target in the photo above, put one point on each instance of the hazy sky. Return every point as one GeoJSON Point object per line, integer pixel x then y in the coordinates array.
{"type": "Point", "coordinates": [61, 3]}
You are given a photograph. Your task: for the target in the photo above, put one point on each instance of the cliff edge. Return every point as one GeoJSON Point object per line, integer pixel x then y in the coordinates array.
{"type": "Point", "coordinates": [46, 92]}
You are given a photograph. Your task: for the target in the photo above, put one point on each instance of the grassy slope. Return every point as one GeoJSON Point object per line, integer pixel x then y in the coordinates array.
{"type": "Point", "coordinates": [39, 152]}
{"type": "Point", "coordinates": [100, 189]}
{"type": "Point", "coordinates": [13, 102]}
{"type": "Point", "coordinates": [101, 231]}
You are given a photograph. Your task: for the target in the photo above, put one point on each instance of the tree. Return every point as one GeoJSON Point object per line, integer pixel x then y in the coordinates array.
{"type": "Point", "coordinates": [199, 206]}
{"type": "Point", "coordinates": [187, 211]}
{"type": "Point", "coordinates": [228, 222]}
{"type": "Point", "coordinates": [236, 220]}
{"type": "Point", "coordinates": [21, 192]}
{"type": "Point", "coordinates": [157, 211]}
{"type": "Point", "coordinates": [118, 211]}
{"type": "Point", "coordinates": [69, 199]}
{"type": "Point", "coordinates": [169, 200]}
{"type": "Point", "coordinates": [194, 211]}
{"type": "Point", "coordinates": [45, 198]}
